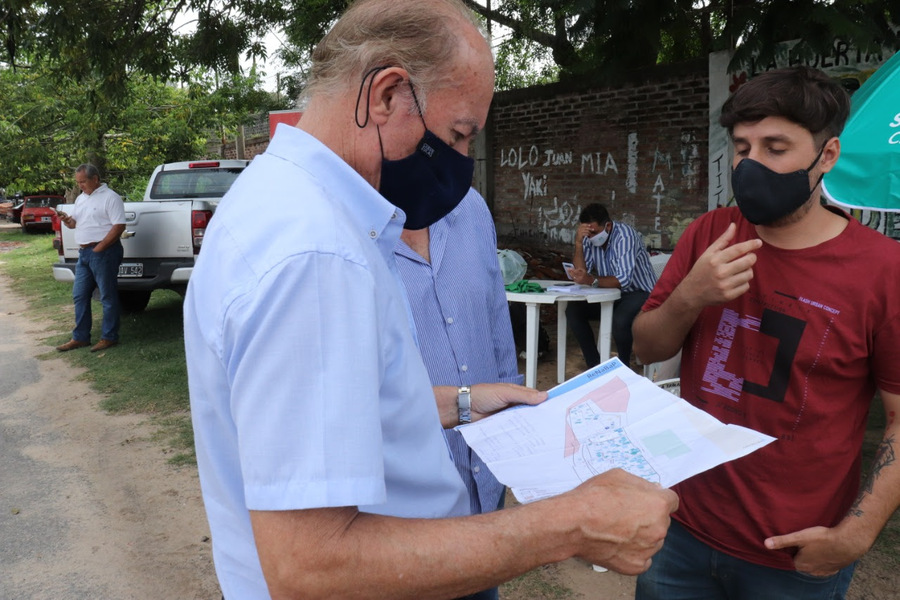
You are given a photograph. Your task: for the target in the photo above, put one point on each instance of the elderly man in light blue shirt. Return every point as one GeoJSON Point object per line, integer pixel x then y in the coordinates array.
{"type": "Point", "coordinates": [318, 433]}
{"type": "Point", "coordinates": [310, 413]}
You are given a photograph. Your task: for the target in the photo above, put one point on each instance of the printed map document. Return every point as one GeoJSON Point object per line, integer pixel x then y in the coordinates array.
{"type": "Point", "coordinates": [607, 417]}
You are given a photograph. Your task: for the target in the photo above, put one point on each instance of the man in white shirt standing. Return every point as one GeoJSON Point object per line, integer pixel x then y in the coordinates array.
{"type": "Point", "coordinates": [98, 218]}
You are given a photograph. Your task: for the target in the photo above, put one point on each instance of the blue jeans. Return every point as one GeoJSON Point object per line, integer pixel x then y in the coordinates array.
{"type": "Point", "coordinates": [97, 270]}
{"type": "Point", "coordinates": [686, 568]}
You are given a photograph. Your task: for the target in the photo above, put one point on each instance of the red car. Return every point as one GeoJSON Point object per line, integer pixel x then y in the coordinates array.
{"type": "Point", "coordinates": [38, 212]}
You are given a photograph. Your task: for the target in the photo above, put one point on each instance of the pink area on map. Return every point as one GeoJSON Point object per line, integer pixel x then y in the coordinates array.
{"type": "Point", "coordinates": [612, 396]}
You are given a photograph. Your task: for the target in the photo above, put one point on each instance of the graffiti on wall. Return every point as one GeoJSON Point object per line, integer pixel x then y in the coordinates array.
{"type": "Point", "coordinates": [559, 221]}
{"type": "Point", "coordinates": [557, 217]}
{"type": "Point", "coordinates": [690, 160]}
{"type": "Point", "coordinates": [530, 161]}
{"type": "Point", "coordinates": [631, 177]}
{"type": "Point", "coordinates": [887, 223]}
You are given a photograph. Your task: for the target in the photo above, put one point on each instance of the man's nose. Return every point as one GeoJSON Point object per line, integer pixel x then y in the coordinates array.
{"type": "Point", "coordinates": [755, 154]}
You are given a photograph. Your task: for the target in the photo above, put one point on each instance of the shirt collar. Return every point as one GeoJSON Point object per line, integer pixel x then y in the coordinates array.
{"type": "Point", "coordinates": [438, 234]}
{"type": "Point", "coordinates": [96, 189]}
{"type": "Point", "coordinates": [372, 215]}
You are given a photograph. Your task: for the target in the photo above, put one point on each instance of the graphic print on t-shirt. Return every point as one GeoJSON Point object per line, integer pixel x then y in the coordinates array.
{"type": "Point", "coordinates": [766, 348]}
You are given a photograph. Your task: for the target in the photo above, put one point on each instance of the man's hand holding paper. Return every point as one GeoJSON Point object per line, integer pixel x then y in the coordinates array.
{"type": "Point", "coordinates": [633, 524]}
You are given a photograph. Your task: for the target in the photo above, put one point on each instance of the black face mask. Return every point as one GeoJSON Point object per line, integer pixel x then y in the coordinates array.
{"type": "Point", "coordinates": [764, 196]}
{"type": "Point", "coordinates": [429, 183]}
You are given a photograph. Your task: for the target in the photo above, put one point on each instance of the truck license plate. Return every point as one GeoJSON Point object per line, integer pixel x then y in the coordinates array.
{"type": "Point", "coordinates": [46, 219]}
{"type": "Point", "coordinates": [131, 270]}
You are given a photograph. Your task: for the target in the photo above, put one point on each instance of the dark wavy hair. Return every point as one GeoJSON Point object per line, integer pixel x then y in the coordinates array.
{"type": "Point", "coordinates": [594, 213]}
{"type": "Point", "coordinates": [803, 95]}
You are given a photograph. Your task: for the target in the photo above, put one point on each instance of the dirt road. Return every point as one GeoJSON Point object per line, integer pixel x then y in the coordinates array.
{"type": "Point", "coordinates": [89, 508]}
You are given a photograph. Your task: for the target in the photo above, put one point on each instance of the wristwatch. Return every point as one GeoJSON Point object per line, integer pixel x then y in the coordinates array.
{"type": "Point", "coordinates": [464, 404]}
{"type": "Point", "coordinates": [595, 283]}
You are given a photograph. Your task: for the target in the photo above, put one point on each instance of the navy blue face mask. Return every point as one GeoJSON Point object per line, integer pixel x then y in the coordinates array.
{"type": "Point", "coordinates": [765, 196]}
{"type": "Point", "coordinates": [429, 183]}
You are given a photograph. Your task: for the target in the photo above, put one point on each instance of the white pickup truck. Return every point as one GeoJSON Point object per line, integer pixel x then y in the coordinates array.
{"type": "Point", "coordinates": [163, 233]}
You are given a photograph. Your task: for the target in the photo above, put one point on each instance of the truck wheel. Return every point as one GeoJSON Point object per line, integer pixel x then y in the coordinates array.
{"type": "Point", "coordinates": [132, 301]}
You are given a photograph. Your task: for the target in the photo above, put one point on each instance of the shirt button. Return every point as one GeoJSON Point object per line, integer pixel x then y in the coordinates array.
{"type": "Point", "coordinates": [464, 368]}
{"type": "Point", "coordinates": [476, 469]}
{"type": "Point", "coordinates": [450, 320]}
{"type": "Point", "coordinates": [372, 234]}
{"type": "Point", "coordinates": [394, 216]}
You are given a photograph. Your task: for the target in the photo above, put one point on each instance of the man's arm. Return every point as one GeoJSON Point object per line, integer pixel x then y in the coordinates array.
{"type": "Point", "coordinates": [580, 273]}
{"type": "Point", "coordinates": [722, 273]}
{"type": "Point", "coordinates": [115, 232]}
{"type": "Point", "coordinates": [824, 550]}
{"type": "Point", "coordinates": [66, 219]}
{"type": "Point", "coordinates": [578, 252]}
{"type": "Point", "coordinates": [487, 398]}
{"type": "Point", "coordinates": [616, 520]}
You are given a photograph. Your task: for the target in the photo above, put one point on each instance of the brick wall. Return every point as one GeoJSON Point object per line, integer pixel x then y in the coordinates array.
{"type": "Point", "coordinates": [639, 147]}
{"type": "Point", "coordinates": [252, 147]}
{"type": "Point", "coordinates": [256, 140]}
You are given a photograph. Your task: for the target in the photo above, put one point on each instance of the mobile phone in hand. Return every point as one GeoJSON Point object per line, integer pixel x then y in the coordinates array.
{"type": "Point", "coordinates": [567, 266]}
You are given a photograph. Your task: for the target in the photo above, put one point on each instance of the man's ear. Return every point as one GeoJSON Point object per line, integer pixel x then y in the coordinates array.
{"type": "Point", "coordinates": [830, 153]}
{"type": "Point", "coordinates": [385, 97]}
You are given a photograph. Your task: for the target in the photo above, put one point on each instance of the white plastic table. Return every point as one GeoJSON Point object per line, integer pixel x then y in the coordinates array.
{"type": "Point", "coordinates": [533, 300]}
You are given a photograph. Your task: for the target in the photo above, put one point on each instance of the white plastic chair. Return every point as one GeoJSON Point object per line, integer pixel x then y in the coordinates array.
{"type": "Point", "coordinates": [673, 386]}
{"type": "Point", "coordinates": [664, 369]}
{"type": "Point", "coordinates": [658, 262]}
{"type": "Point", "coordinates": [670, 368]}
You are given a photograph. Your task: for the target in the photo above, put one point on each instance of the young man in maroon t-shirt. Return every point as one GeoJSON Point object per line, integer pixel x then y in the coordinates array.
{"type": "Point", "coordinates": [788, 314]}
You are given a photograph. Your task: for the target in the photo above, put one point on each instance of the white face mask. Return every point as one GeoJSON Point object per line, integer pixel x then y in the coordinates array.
{"type": "Point", "coordinates": [599, 239]}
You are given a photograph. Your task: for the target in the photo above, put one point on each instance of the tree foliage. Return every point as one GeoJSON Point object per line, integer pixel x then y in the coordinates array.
{"type": "Point", "coordinates": [573, 38]}
{"type": "Point", "coordinates": [124, 84]}
{"type": "Point", "coordinates": [45, 131]}
{"type": "Point", "coordinates": [612, 36]}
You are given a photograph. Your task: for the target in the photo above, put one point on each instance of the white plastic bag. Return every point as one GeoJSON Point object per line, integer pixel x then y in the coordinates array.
{"type": "Point", "coordinates": [512, 266]}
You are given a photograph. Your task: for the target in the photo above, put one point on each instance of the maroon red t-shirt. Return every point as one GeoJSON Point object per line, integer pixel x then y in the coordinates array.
{"type": "Point", "coordinates": [798, 357]}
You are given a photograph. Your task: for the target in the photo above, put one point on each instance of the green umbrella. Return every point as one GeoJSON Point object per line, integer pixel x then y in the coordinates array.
{"type": "Point", "coordinates": [867, 175]}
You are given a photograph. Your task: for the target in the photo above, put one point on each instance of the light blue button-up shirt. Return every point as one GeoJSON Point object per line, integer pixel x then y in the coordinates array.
{"type": "Point", "coordinates": [462, 321]}
{"type": "Point", "coordinates": [307, 389]}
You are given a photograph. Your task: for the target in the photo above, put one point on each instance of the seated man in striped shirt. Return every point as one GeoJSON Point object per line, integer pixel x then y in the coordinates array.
{"type": "Point", "coordinates": [608, 254]}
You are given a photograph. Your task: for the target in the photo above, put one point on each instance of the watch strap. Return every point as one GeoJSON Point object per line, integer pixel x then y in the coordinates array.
{"type": "Point", "coordinates": [464, 404]}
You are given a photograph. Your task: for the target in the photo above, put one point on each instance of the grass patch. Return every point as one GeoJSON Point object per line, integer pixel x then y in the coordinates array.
{"type": "Point", "coordinates": [177, 434]}
{"type": "Point", "coordinates": [144, 374]}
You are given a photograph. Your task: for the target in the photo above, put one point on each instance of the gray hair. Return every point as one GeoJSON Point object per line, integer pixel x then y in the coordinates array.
{"type": "Point", "coordinates": [88, 169]}
{"type": "Point", "coordinates": [421, 37]}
